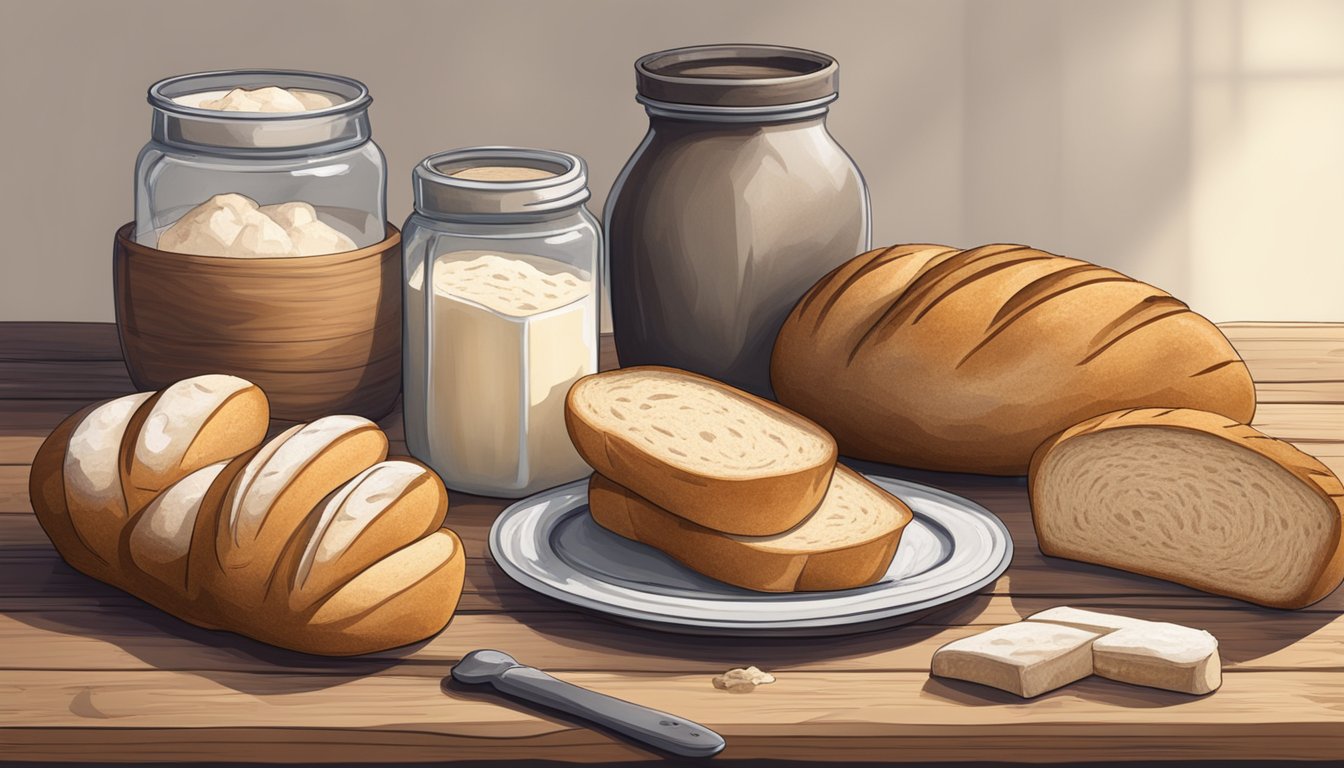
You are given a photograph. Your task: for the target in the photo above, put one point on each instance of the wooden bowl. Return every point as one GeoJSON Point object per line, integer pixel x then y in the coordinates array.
{"type": "Point", "coordinates": [319, 334]}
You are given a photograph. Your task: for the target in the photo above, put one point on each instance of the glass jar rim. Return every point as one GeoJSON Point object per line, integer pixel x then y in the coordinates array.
{"type": "Point", "coordinates": [163, 93]}
{"type": "Point", "coordinates": [440, 193]}
{"type": "Point", "coordinates": [737, 75]}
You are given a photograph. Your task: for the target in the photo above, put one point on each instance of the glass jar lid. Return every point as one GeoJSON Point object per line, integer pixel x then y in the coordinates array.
{"type": "Point", "coordinates": [483, 182]}
{"type": "Point", "coordinates": [740, 78]}
{"type": "Point", "coordinates": [181, 120]}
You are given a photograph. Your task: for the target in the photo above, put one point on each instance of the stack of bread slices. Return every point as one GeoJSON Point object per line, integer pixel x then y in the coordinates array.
{"type": "Point", "coordinates": [733, 486]}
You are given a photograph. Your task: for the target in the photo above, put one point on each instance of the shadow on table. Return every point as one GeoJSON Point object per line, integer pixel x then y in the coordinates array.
{"type": "Point", "coordinates": [156, 638]}
{"type": "Point", "coordinates": [1090, 689]}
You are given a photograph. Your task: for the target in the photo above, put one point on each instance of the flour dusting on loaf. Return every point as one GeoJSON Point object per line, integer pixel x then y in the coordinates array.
{"type": "Point", "coordinates": [161, 538]}
{"type": "Point", "coordinates": [267, 475]}
{"type": "Point", "coordinates": [213, 529]}
{"type": "Point", "coordinates": [92, 471]}
{"type": "Point", "coordinates": [178, 414]}
{"type": "Point", "coordinates": [163, 531]}
{"type": "Point", "coordinates": [348, 512]}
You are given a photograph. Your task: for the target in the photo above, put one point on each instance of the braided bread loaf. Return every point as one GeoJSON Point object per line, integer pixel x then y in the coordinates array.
{"type": "Point", "coordinates": [311, 541]}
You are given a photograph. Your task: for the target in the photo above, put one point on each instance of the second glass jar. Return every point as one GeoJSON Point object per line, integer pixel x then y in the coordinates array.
{"type": "Point", "coordinates": [507, 320]}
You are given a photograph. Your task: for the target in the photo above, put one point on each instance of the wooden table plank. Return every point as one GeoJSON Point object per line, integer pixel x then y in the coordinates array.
{"type": "Point", "coordinates": [1292, 362]}
{"type": "Point", "coordinates": [43, 380]}
{"type": "Point", "coordinates": [1304, 424]}
{"type": "Point", "coordinates": [49, 341]}
{"type": "Point", "coordinates": [903, 714]}
{"type": "Point", "coordinates": [139, 637]}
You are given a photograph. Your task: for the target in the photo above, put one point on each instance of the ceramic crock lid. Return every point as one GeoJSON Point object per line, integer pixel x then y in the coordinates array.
{"type": "Point", "coordinates": [738, 75]}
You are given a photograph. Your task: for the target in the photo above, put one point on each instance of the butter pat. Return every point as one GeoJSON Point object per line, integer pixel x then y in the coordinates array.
{"type": "Point", "coordinates": [1089, 620]}
{"type": "Point", "coordinates": [1150, 653]}
{"type": "Point", "coordinates": [1027, 658]}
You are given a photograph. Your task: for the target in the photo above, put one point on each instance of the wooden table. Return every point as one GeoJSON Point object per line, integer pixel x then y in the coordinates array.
{"type": "Point", "coordinates": [91, 674]}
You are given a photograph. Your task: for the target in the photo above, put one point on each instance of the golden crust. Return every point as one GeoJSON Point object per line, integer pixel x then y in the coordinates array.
{"type": "Point", "coordinates": [964, 361]}
{"type": "Point", "coordinates": [385, 595]}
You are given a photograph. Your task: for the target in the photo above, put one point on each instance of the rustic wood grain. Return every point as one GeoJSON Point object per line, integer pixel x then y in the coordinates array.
{"type": "Point", "coordinates": [894, 714]}
{"type": "Point", "coordinates": [57, 342]}
{"type": "Point", "coordinates": [138, 637]}
{"type": "Point", "coordinates": [93, 673]}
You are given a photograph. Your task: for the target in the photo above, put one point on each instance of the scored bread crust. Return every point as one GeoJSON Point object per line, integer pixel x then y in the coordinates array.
{"type": "Point", "coordinates": [411, 593]}
{"type": "Point", "coordinates": [375, 594]}
{"type": "Point", "coordinates": [417, 510]}
{"type": "Point", "coordinates": [740, 561]}
{"type": "Point", "coordinates": [932, 357]}
{"type": "Point", "coordinates": [234, 423]}
{"type": "Point", "coordinates": [761, 505]}
{"type": "Point", "coordinates": [1306, 469]}
{"type": "Point", "coordinates": [252, 558]}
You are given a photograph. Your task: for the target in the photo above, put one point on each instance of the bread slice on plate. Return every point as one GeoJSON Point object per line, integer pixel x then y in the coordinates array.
{"type": "Point", "coordinates": [700, 449]}
{"type": "Point", "coordinates": [848, 542]}
{"type": "Point", "coordinates": [1195, 498]}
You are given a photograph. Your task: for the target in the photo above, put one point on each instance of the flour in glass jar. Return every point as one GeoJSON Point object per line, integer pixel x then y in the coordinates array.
{"type": "Point", "coordinates": [506, 337]}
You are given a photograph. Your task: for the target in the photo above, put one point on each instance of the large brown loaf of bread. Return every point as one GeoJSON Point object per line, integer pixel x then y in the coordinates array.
{"type": "Point", "coordinates": [313, 541]}
{"type": "Point", "coordinates": [965, 361]}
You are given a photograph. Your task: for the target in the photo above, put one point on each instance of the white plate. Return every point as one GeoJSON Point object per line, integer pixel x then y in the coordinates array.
{"type": "Point", "coordinates": [548, 543]}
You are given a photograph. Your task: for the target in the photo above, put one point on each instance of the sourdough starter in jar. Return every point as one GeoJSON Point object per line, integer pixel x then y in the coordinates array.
{"type": "Point", "coordinates": [260, 164]}
{"type": "Point", "coordinates": [508, 321]}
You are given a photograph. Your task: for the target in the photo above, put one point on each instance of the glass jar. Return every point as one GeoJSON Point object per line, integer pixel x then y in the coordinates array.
{"type": "Point", "coordinates": [511, 320]}
{"type": "Point", "coordinates": [324, 157]}
{"type": "Point", "coordinates": [737, 201]}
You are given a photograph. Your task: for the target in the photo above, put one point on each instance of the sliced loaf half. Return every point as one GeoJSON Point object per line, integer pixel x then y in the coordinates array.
{"type": "Point", "coordinates": [700, 449]}
{"type": "Point", "coordinates": [848, 542]}
{"type": "Point", "coordinates": [1195, 498]}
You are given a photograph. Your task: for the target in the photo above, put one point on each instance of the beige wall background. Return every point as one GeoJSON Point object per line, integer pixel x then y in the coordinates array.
{"type": "Point", "coordinates": [1196, 144]}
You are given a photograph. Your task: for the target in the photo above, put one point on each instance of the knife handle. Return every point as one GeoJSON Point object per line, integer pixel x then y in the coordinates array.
{"type": "Point", "coordinates": [658, 729]}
